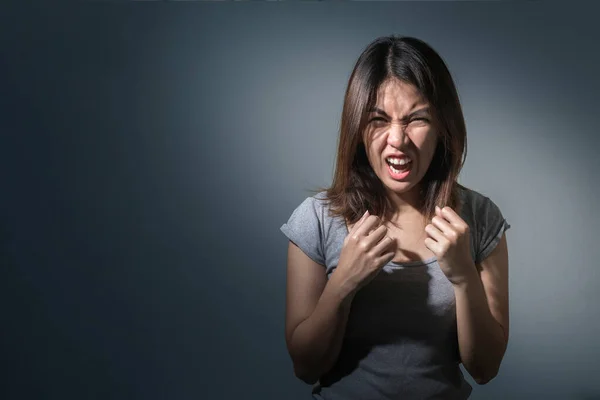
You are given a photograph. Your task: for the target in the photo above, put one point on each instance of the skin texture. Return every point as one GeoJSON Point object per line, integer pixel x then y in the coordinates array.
{"type": "Point", "coordinates": [317, 308]}
{"type": "Point", "coordinates": [448, 239]}
{"type": "Point", "coordinates": [397, 132]}
{"type": "Point", "coordinates": [481, 293]}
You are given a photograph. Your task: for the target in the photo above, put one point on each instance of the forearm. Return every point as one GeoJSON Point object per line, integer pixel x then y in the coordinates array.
{"type": "Point", "coordinates": [317, 341]}
{"type": "Point", "coordinates": [481, 338]}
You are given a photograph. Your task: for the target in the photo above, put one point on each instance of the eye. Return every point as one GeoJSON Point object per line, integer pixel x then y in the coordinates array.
{"type": "Point", "coordinates": [377, 119]}
{"type": "Point", "coordinates": [421, 120]}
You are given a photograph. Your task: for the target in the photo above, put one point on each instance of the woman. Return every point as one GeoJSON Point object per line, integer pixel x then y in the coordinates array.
{"type": "Point", "coordinates": [396, 273]}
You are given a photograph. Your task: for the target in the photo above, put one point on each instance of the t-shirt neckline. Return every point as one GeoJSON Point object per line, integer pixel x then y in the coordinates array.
{"type": "Point", "coordinates": [414, 263]}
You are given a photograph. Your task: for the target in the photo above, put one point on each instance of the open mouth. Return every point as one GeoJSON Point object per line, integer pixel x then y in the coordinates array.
{"type": "Point", "coordinates": [399, 168]}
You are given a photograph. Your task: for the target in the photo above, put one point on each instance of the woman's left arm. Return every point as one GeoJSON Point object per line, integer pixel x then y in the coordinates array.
{"type": "Point", "coordinates": [481, 293]}
{"type": "Point", "coordinates": [482, 315]}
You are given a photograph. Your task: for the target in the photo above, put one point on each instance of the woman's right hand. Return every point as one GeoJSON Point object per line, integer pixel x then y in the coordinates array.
{"type": "Point", "coordinates": [365, 251]}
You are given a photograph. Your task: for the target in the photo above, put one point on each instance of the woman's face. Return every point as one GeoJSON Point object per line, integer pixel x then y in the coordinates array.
{"type": "Point", "coordinates": [400, 127]}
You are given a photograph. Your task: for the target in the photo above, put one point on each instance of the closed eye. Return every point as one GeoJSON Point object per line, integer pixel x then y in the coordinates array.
{"type": "Point", "coordinates": [423, 120]}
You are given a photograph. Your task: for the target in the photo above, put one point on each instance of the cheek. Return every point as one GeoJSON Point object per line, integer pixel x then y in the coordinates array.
{"type": "Point", "coordinates": [427, 147]}
{"type": "Point", "coordinates": [374, 149]}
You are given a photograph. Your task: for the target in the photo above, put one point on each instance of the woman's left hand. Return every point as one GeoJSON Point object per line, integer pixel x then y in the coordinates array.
{"type": "Point", "coordinates": [449, 241]}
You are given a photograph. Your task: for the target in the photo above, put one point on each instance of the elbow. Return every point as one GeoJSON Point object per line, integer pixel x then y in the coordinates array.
{"type": "Point", "coordinates": [485, 376]}
{"type": "Point", "coordinates": [304, 368]}
{"type": "Point", "coordinates": [484, 371]}
{"type": "Point", "coordinates": [480, 380]}
{"type": "Point", "coordinates": [305, 375]}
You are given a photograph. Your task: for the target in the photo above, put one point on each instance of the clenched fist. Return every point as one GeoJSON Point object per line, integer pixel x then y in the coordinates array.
{"type": "Point", "coordinates": [366, 249]}
{"type": "Point", "coordinates": [449, 241]}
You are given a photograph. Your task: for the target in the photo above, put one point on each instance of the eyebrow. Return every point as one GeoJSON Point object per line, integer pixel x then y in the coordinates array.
{"type": "Point", "coordinates": [422, 111]}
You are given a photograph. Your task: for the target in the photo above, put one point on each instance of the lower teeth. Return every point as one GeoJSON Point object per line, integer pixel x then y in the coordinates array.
{"type": "Point", "coordinates": [397, 171]}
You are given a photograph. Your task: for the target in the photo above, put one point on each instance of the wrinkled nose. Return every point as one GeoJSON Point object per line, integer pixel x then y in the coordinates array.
{"type": "Point", "coordinates": [396, 135]}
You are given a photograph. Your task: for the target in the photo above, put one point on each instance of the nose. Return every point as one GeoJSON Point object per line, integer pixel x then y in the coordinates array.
{"type": "Point", "coordinates": [396, 135]}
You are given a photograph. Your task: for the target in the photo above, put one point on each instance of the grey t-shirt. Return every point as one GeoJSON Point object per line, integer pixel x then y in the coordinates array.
{"type": "Point", "coordinates": [400, 340]}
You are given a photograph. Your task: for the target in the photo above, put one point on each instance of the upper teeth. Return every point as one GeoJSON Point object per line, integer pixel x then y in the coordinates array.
{"type": "Point", "coordinates": [398, 161]}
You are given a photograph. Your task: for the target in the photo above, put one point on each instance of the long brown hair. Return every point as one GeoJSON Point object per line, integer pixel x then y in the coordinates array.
{"type": "Point", "coordinates": [356, 187]}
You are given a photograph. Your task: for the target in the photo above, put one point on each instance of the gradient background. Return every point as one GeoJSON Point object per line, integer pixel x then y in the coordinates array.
{"type": "Point", "coordinates": [150, 152]}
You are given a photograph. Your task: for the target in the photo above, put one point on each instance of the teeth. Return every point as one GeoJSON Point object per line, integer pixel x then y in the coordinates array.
{"type": "Point", "coordinates": [396, 171]}
{"type": "Point", "coordinates": [396, 161]}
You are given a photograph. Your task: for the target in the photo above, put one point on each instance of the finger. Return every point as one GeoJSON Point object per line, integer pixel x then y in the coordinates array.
{"type": "Point", "coordinates": [370, 223]}
{"type": "Point", "coordinates": [359, 222]}
{"type": "Point", "coordinates": [443, 225]}
{"type": "Point", "coordinates": [385, 258]}
{"type": "Point", "coordinates": [438, 211]}
{"type": "Point", "coordinates": [434, 233]}
{"type": "Point", "coordinates": [385, 245]}
{"type": "Point", "coordinates": [452, 217]}
{"type": "Point", "coordinates": [376, 235]}
{"type": "Point", "coordinates": [378, 224]}
{"type": "Point", "coordinates": [432, 245]}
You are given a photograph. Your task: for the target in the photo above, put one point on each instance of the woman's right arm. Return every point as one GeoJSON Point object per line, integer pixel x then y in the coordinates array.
{"type": "Point", "coordinates": [316, 314]}
{"type": "Point", "coordinates": [317, 308]}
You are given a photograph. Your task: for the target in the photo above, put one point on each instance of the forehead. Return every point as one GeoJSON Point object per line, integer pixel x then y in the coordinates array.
{"type": "Point", "coordinates": [394, 93]}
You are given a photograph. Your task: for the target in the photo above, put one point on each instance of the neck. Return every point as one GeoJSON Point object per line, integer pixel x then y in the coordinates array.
{"type": "Point", "coordinates": [404, 204]}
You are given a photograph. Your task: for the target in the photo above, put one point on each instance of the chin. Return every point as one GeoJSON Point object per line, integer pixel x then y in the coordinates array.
{"type": "Point", "coordinates": [400, 188]}
{"type": "Point", "coordinates": [396, 186]}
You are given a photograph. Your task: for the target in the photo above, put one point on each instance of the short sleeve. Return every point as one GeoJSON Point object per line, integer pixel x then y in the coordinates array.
{"type": "Point", "coordinates": [491, 225]}
{"type": "Point", "coordinates": [304, 229]}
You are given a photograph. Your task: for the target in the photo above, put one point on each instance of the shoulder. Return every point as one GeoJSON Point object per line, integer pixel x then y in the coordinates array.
{"type": "Point", "coordinates": [308, 225]}
{"type": "Point", "coordinates": [320, 198]}
{"type": "Point", "coordinates": [485, 219]}
{"type": "Point", "coordinates": [315, 206]}
{"type": "Point", "coordinates": [472, 199]}
{"type": "Point", "coordinates": [476, 206]}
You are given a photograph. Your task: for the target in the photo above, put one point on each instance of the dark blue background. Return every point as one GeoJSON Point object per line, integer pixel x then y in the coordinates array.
{"type": "Point", "coordinates": [149, 153]}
